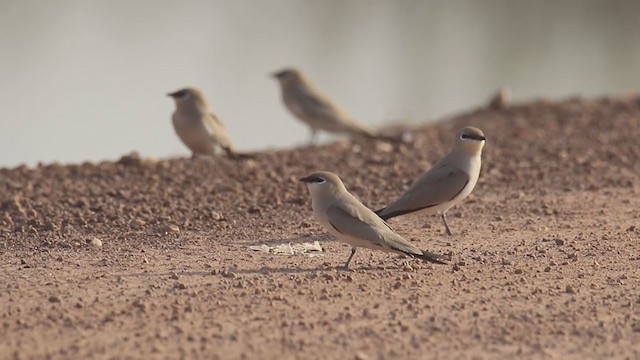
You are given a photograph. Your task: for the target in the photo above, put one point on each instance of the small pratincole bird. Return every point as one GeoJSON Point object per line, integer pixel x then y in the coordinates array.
{"type": "Point", "coordinates": [315, 109]}
{"type": "Point", "coordinates": [447, 183]}
{"type": "Point", "coordinates": [355, 224]}
{"type": "Point", "coordinates": [197, 126]}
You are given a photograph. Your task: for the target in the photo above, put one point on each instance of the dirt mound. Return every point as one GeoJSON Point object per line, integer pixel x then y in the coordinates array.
{"type": "Point", "coordinates": [538, 147]}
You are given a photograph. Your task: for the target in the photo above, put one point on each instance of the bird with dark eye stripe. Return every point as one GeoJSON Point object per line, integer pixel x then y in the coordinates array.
{"type": "Point", "coordinates": [446, 184]}
{"type": "Point", "coordinates": [353, 223]}
{"type": "Point", "coordinates": [312, 107]}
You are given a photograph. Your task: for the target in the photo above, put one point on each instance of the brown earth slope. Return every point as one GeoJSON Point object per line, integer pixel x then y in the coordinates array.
{"type": "Point", "coordinates": [546, 255]}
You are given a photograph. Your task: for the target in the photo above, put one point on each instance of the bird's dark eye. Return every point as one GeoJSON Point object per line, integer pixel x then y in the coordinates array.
{"type": "Point", "coordinates": [313, 179]}
{"type": "Point", "coordinates": [474, 137]}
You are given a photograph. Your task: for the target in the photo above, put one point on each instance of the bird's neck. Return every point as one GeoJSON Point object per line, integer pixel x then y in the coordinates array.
{"type": "Point", "coordinates": [299, 86]}
{"type": "Point", "coordinates": [193, 109]}
{"type": "Point", "coordinates": [471, 150]}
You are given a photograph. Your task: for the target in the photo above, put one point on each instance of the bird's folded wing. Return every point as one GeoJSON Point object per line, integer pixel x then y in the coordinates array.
{"type": "Point", "coordinates": [314, 107]}
{"type": "Point", "coordinates": [353, 221]}
{"type": "Point", "coordinates": [437, 186]}
{"type": "Point", "coordinates": [217, 121]}
{"type": "Point", "coordinates": [348, 220]}
{"type": "Point", "coordinates": [217, 131]}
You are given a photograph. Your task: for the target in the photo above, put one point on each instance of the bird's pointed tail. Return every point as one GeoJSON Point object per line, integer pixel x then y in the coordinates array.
{"type": "Point", "coordinates": [237, 155]}
{"type": "Point", "coordinates": [383, 217]}
{"type": "Point", "coordinates": [433, 258]}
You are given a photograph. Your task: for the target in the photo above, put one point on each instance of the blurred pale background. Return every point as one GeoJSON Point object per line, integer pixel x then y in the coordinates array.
{"type": "Point", "coordinates": [86, 79]}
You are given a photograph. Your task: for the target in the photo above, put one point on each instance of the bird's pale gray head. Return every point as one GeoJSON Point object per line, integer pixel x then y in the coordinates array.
{"type": "Point", "coordinates": [187, 96]}
{"type": "Point", "coordinates": [470, 140]}
{"type": "Point", "coordinates": [323, 183]}
{"type": "Point", "coordinates": [287, 75]}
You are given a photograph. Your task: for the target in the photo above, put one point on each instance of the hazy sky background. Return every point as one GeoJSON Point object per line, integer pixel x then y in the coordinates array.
{"type": "Point", "coordinates": [86, 79]}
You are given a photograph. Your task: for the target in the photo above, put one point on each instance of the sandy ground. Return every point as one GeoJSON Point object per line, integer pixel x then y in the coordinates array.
{"type": "Point", "coordinates": [546, 251]}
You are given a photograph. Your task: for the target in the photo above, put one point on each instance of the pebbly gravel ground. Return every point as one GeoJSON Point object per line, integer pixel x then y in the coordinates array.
{"type": "Point", "coordinates": [150, 258]}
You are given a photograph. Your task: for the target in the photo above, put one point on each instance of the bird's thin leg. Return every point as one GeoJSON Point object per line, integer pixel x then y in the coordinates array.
{"type": "Point", "coordinates": [444, 219]}
{"type": "Point", "coordinates": [314, 134]}
{"type": "Point", "coordinates": [353, 252]}
{"type": "Point", "coordinates": [193, 155]}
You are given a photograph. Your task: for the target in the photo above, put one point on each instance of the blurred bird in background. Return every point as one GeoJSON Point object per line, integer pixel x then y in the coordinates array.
{"type": "Point", "coordinates": [197, 126]}
{"type": "Point", "coordinates": [316, 110]}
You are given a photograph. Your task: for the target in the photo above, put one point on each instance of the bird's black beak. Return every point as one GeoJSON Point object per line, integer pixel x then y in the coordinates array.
{"type": "Point", "coordinates": [312, 179]}
{"type": "Point", "coordinates": [476, 137]}
{"type": "Point", "coordinates": [277, 74]}
{"type": "Point", "coordinates": [171, 94]}
{"type": "Point", "coordinates": [308, 179]}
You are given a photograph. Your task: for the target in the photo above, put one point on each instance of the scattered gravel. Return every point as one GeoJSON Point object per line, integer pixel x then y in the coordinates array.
{"type": "Point", "coordinates": [544, 260]}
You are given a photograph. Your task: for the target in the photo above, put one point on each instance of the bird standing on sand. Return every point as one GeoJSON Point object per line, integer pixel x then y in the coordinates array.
{"type": "Point", "coordinates": [197, 126]}
{"type": "Point", "coordinates": [353, 223]}
{"type": "Point", "coordinates": [312, 107]}
{"type": "Point", "coordinates": [447, 183]}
